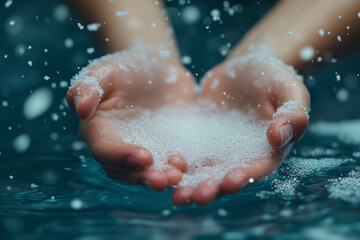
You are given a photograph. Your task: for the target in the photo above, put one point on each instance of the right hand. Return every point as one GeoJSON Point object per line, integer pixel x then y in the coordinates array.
{"type": "Point", "coordinates": [135, 78]}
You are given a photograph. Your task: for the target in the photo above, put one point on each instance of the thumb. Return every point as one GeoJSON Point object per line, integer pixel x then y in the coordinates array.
{"type": "Point", "coordinates": [289, 122]}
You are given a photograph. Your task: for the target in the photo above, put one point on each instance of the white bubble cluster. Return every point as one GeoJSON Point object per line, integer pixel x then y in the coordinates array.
{"type": "Point", "coordinates": [290, 107]}
{"type": "Point", "coordinates": [262, 61]}
{"type": "Point", "coordinates": [139, 58]}
{"type": "Point", "coordinates": [346, 188]}
{"type": "Point", "coordinates": [164, 54]}
{"type": "Point", "coordinates": [211, 140]}
{"type": "Point", "coordinates": [308, 166]}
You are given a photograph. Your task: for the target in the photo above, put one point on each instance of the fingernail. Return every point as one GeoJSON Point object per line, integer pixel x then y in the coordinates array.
{"type": "Point", "coordinates": [76, 102]}
{"type": "Point", "coordinates": [286, 133]}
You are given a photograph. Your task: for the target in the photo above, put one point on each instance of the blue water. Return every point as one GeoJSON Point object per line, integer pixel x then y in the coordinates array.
{"type": "Point", "coordinates": [41, 188]}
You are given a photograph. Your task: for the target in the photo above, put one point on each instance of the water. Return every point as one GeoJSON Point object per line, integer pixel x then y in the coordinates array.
{"type": "Point", "coordinates": [72, 196]}
{"type": "Point", "coordinates": [51, 187]}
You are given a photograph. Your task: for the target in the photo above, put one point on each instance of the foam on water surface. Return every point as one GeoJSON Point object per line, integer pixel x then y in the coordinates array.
{"type": "Point", "coordinates": [308, 166]}
{"type": "Point", "coordinates": [346, 188]}
{"type": "Point", "coordinates": [285, 188]}
{"type": "Point", "coordinates": [212, 141]}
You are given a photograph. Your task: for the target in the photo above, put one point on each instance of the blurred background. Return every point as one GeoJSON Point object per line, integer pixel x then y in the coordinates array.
{"type": "Point", "coordinates": [42, 47]}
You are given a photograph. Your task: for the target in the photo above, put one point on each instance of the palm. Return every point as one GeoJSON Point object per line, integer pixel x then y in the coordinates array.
{"type": "Point", "coordinates": [246, 83]}
{"type": "Point", "coordinates": [262, 84]}
{"type": "Point", "coordinates": [143, 82]}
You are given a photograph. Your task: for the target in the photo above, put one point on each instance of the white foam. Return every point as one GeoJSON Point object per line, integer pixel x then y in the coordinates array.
{"type": "Point", "coordinates": [345, 131]}
{"type": "Point", "coordinates": [139, 58]}
{"type": "Point", "coordinates": [281, 187]}
{"type": "Point", "coordinates": [346, 188]}
{"type": "Point", "coordinates": [172, 75]}
{"type": "Point", "coordinates": [290, 107]}
{"type": "Point", "coordinates": [211, 140]}
{"type": "Point", "coordinates": [262, 62]}
{"type": "Point", "coordinates": [164, 54]}
{"type": "Point", "coordinates": [38, 103]}
{"type": "Point", "coordinates": [308, 166]}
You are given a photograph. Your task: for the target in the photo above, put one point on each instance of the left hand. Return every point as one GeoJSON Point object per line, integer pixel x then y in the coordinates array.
{"type": "Point", "coordinates": [261, 82]}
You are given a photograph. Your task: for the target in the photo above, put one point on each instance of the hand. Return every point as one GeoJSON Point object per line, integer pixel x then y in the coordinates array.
{"type": "Point", "coordinates": [260, 82]}
{"type": "Point", "coordinates": [135, 78]}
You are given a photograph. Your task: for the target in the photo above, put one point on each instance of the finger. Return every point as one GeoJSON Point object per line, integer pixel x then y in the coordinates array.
{"type": "Point", "coordinates": [239, 178]}
{"type": "Point", "coordinates": [182, 196]}
{"type": "Point", "coordinates": [287, 128]}
{"type": "Point", "coordinates": [152, 178]}
{"type": "Point", "coordinates": [205, 193]}
{"type": "Point", "coordinates": [233, 181]}
{"type": "Point", "coordinates": [179, 162]}
{"type": "Point", "coordinates": [174, 175]}
{"type": "Point", "coordinates": [291, 118]}
{"type": "Point", "coordinates": [109, 150]}
{"type": "Point", "coordinates": [89, 87]}
{"type": "Point", "coordinates": [83, 100]}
